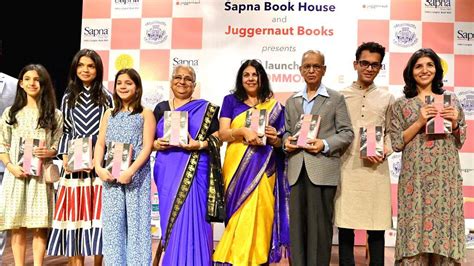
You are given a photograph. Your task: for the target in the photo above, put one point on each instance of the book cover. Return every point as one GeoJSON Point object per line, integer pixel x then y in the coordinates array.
{"type": "Point", "coordinates": [176, 127]}
{"type": "Point", "coordinates": [437, 124]}
{"type": "Point", "coordinates": [30, 163]}
{"type": "Point", "coordinates": [371, 141]}
{"type": "Point", "coordinates": [118, 157]}
{"type": "Point", "coordinates": [79, 153]}
{"type": "Point", "coordinates": [256, 120]}
{"type": "Point", "coordinates": [306, 128]}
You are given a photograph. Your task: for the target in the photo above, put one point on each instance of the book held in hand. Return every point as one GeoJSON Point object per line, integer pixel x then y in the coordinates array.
{"type": "Point", "coordinates": [307, 128]}
{"type": "Point", "coordinates": [256, 120]}
{"type": "Point", "coordinates": [118, 158]}
{"type": "Point", "coordinates": [79, 152]}
{"type": "Point", "coordinates": [437, 124]}
{"type": "Point", "coordinates": [371, 141]}
{"type": "Point", "coordinates": [30, 163]}
{"type": "Point", "coordinates": [176, 127]}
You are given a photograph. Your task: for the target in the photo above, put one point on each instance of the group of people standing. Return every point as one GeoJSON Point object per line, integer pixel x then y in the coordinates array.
{"type": "Point", "coordinates": [278, 198]}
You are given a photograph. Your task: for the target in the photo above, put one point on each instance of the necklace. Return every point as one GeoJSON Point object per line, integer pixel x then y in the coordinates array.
{"type": "Point", "coordinates": [187, 101]}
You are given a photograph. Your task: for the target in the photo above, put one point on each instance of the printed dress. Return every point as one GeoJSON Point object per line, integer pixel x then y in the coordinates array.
{"type": "Point", "coordinates": [26, 202]}
{"type": "Point", "coordinates": [430, 199]}
{"type": "Point", "coordinates": [77, 224]}
{"type": "Point", "coordinates": [127, 208]}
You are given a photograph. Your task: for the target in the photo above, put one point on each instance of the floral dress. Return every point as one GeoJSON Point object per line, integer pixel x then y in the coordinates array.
{"type": "Point", "coordinates": [430, 199]}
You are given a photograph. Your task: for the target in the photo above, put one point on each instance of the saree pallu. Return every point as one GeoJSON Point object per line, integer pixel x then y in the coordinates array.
{"type": "Point", "coordinates": [256, 193]}
{"type": "Point", "coordinates": [182, 180]}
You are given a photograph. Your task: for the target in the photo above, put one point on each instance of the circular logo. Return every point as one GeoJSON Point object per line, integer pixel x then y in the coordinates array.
{"type": "Point", "coordinates": [123, 61]}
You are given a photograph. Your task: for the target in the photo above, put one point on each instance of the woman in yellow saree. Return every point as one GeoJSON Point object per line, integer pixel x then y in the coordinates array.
{"type": "Point", "coordinates": [256, 190]}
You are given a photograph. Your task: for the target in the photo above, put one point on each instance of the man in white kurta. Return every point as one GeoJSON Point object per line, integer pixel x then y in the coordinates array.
{"type": "Point", "coordinates": [363, 198]}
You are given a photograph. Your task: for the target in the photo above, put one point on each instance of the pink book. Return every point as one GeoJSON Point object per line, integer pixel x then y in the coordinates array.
{"type": "Point", "coordinates": [80, 154]}
{"type": "Point", "coordinates": [118, 158]}
{"type": "Point", "coordinates": [371, 141]}
{"type": "Point", "coordinates": [176, 127]}
{"type": "Point", "coordinates": [306, 129]}
{"type": "Point", "coordinates": [257, 121]}
{"type": "Point", "coordinates": [30, 163]}
{"type": "Point", "coordinates": [437, 124]}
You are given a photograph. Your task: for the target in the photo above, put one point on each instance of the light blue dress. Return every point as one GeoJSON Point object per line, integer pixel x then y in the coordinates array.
{"type": "Point", "coordinates": [127, 208]}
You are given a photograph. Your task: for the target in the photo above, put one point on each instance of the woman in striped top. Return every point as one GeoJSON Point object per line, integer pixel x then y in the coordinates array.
{"type": "Point", "coordinates": [77, 225]}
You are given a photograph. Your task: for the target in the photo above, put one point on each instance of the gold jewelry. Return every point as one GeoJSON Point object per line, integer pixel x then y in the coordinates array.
{"type": "Point", "coordinates": [172, 102]}
{"type": "Point", "coordinates": [201, 145]}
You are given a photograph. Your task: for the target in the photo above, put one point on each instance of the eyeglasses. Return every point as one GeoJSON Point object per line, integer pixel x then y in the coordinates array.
{"type": "Point", "coordinates": [316, 67]}
{"type": "Point", "coordinates": [187, 79]}
{"type": "Point", "coordinates": [365, 64]}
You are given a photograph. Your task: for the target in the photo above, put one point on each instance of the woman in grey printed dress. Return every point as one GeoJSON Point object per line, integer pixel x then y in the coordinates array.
{"type": "Point", "coordinates": [430, 228]}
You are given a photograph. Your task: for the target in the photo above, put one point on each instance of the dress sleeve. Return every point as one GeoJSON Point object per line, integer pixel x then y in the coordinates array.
{"type": "Point", "coordinates": [395, 128]}
{"type": "Point", "coordinates": [58, 132]}
{"type": "Point", "coordinates": [5, 132]}
{"type": "Point", "coordinates": [461, 121]}
{"type": "Point", "coordinates": [227, 107]}
{"type": "Point", "coordinates": [67, 126]}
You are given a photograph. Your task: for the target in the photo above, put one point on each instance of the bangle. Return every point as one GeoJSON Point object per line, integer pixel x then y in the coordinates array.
{"type": "Point", "coordinates": [201, 145]}
{"type": "Point", "coordinates": [456, 128]}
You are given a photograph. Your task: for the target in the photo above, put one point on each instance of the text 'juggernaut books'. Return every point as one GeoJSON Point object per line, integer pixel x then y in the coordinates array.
{"type": "Point", "coordinates": [371, 141]}
{"type": "Point", "coordinates": [176, 127]}
{"type": "Point", "coordinates": [437, 124]}
{"type": "Point", "coordinates": [118, 158]}
{"type": "Point", "coordinates": [79, 154]}
{"type": "Point", "coordinates": [30, 163]}
{"type": "Point", "coordinates": [307, 128]}
{"type": "Point", "coordinates": [256, 120]}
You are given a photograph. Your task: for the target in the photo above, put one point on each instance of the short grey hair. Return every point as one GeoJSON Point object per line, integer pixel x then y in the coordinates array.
{"type": "Point", "coordinates": [316, 52]}
{"type": "Point", "coordinates": [188, 67]}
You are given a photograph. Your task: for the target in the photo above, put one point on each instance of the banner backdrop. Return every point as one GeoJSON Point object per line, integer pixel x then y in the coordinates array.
{"type": "Point", "coordinates": [216, 36]}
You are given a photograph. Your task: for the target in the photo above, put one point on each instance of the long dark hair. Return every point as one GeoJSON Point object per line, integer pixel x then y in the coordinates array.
{"type": "Point", "coordinates": [264, 91]}
{"type": "Point", "coordinates": [75, 85]}
{"type": "Point", "coordinates": [410, 90]}
{"type": "Point", "coordinates": [46, 100]}
{"type": "Point", "coordinates": [136, 104]}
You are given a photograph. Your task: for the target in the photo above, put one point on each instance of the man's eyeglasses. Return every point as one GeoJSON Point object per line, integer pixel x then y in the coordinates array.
{"type": "Point", "coordinates": [187, 79]}
{"type": "Point", "coordinates": [316, 67]}
{"type": "Point", "coordinates": [366, 64]}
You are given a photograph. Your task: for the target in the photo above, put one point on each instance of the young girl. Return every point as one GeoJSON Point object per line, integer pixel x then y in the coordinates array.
{"type": "Point", "coordinates": [126, 200]}
{"type": "Point", "coordinates": [77, 226]}
{"type": "Point", "coordinates": [27, 200]}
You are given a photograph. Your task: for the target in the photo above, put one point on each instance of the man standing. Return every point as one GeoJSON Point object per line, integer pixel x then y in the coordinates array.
{"type": "Point", "coordinates": [363, 197]}
{"type": "Point", "coordinates": [314, 170]}
{"type": "Point", "coordinates": [7, 95]}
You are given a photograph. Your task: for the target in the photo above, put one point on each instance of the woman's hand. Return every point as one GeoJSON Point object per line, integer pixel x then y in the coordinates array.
{"type": "Point", "coordinates": [426, 112]}
{"type": "Point", "coordinates": [193, 145]}
{"type": "Point", "coordinates": [16, 170]}
{"type": "Point", "coordinates": [104, 175]}
{"type": "Point", "coordinates": [43, 152]}
{"type": "Point", "coordinates": [451, 113]}
{"type": "Point", "coordinates": [161, 144]}
{"type": "Point", "coordinates": [251, 137]}
{"type": "Point", "coordinates": [272, 136]}
{"type": "Point", "coordinates": [125, 177]}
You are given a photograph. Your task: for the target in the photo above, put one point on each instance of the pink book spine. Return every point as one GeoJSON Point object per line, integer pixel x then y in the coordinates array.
{"type": "Point", "coordinates": [28, 154]}
{"type": "Point", "coordinates": [175, 120]}
{"type": "Point", "coordinates": [78, 154]}
{"type": "Point", "coordinates": [371, 141]}
{"type": "Point", "coordinates": [117, 161]}
{"type": "Point", "coordinates": [255, 120]}
{"type": "Point", "coordinates": [438, 120]}
{"type": "Point", "coordinates": [303, 137]}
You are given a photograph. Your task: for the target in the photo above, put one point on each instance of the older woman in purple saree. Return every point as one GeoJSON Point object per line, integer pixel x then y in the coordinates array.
{"type": "Point", "coordinates": [182, 175]}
